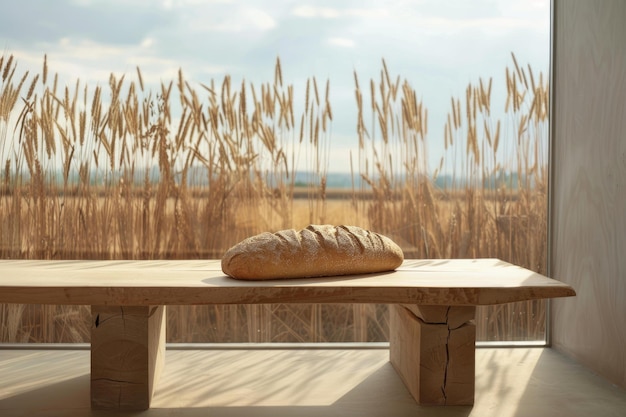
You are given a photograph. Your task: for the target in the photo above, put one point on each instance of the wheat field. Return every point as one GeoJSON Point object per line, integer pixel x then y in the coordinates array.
{"type": "Point", "coordinates": [186, 170]}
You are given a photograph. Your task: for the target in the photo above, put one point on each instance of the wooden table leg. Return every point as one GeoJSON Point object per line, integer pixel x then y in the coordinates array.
{"type": "Point", "coordinates": [433, 350]}
{"type": "Point", "coordinates": [127, 354]}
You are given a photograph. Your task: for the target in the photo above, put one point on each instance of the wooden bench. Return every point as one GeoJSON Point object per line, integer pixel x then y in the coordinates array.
{"type": "Point", "coordinates": [432, 329]}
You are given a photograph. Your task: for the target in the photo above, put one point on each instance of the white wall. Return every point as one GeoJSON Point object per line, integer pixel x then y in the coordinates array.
{"type": "Point", "coordinates": [588, 204]}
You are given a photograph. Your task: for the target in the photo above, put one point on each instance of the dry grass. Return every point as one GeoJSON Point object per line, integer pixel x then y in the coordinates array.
{"type": "Point", "coordinates": [184, 172]}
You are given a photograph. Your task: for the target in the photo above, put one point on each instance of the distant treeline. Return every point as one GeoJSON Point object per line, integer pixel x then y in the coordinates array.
{"type": "Point", "coordinates": [199, 177]}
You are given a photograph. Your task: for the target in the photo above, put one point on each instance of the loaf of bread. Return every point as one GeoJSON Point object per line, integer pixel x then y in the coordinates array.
{"type": "Point", "coordinates": [316, 251]}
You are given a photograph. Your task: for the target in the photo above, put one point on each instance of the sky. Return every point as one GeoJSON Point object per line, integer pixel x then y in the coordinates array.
{"type": "Point", "coordinates": [438, 46]}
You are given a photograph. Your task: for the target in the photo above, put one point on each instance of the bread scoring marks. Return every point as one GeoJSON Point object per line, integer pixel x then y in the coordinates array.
{"type": "Point", "coordinates": [338, 239]}
{"type": "Point", "coordinates": [352, 237]}
{"type": "Point", "coordinates": [325, 236]}
{"type": "Point", "coordinates": [318, 250]}
{"type": "Point", "coordinates": [290, 239]}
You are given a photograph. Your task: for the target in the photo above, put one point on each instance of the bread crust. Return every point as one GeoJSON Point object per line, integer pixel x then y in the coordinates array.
{"type": "Point", "coordinates": [316, 251]}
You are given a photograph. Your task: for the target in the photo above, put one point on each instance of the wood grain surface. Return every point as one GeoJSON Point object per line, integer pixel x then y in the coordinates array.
{"type": "Point", "coordinates": [435, 282]}
{"type": "Point", "coordinates": [127, 355]}
{"type": "Point", "coordinates": [588, 215]}
{"type": "Point", "coordinates": [435, 360]}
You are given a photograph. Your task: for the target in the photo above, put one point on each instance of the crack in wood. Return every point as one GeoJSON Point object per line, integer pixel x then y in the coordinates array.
{"type": "Point", "coordinates": [100, 321]}
{"type": "Point", "coordinates": [117, 381]}
{"type": "Point", "coordinates": [447, 364]}
{"type": "Point", "coordinates": [153, 310]}
{"type": "Point", "coordinates": [433, 350]}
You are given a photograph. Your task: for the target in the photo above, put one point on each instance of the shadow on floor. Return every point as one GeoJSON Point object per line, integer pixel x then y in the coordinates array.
{"type": "Point", "coordinates": [560, 387]}
{"type": "Point", "coordinates": [227, 383]}
{"type": "Point", "coordinates": [509, 383]}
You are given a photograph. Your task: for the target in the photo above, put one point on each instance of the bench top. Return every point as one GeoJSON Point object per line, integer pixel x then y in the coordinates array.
{"type": "Point", "coordinates": [194, 282]}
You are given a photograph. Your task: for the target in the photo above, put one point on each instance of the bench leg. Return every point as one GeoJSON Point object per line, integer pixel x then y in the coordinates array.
{"type": "Point", "coordinates": [433, 350]}
{"type": "Point", "coordinates": [127, 354]}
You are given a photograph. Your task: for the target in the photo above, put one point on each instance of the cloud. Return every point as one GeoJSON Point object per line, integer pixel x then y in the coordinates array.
{"type": "Point", "coordinates": [342, 42]}
{"type": "Point", "coordinates": [499, 24]}
{"type": "Point", "coordinates": [92, 62]}
{"type": "Point", "coordinates": [206, 18]}
{"type": "Point", "coordinates": [313, 12]}
{"type": "Point", "coordinates": [147, 42]}
{"type": "Point", "coordinates": [438, 46]}
{"type": "Point", "coordinates": [307, 11]}
{"type": "Point", "coordinates": [179, 4]}
{"type": "Point", "coordinates": [246, 19]}
{"type": "Point", "coordinates": [46, 22]}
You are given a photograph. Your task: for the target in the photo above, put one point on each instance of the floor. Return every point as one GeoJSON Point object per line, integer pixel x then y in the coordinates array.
{"type": "Point", "coordinates": [308, 382]}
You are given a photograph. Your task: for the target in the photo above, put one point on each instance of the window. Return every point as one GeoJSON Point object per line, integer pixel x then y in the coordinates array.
{"type": "Point", "coordinates": [426, 122]}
